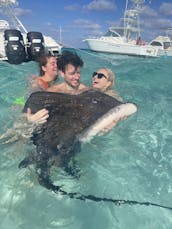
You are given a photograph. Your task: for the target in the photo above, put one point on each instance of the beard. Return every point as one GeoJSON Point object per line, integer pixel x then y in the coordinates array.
{"type": "Point", "coordinates": [76, 86]}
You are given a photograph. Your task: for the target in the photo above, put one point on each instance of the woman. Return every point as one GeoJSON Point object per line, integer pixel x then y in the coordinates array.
{"type": "Point", "coordinates": [104, 80]}
{"type": "Point", "coordinates": [48, 75]}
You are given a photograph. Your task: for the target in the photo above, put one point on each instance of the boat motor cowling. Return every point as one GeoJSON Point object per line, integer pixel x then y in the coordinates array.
{"type": "Point", "coordinates": [35, 45]}
{"type": "Point", "coordinates": [14, 46]}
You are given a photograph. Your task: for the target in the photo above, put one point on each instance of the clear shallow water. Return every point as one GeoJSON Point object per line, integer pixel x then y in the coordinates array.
{"type": "Point", "coordinates": [133, 161]}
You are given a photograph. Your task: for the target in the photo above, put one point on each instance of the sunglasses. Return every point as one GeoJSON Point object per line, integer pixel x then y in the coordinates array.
{"type": "Point", "coordinates": [99, 75]}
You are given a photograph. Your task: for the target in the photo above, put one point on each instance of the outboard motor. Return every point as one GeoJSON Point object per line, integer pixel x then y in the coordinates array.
{"type": "Point", "coordinates": [14, 46]}
{"type": "Point", "coordinates": [35, 45]}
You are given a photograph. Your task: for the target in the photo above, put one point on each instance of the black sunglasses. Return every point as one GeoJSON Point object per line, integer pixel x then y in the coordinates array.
{"type": "Point", "coordinates": [99, 75]}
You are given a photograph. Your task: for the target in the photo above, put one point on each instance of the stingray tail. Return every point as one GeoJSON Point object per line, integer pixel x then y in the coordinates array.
{"type": "Point", "coordinates": [45, 181]}
{"type": "Point", "coordinates": [117, 202]}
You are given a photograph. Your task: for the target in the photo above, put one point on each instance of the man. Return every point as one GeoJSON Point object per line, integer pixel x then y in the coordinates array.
{"type": "Point", "coordinates": [69, 65]}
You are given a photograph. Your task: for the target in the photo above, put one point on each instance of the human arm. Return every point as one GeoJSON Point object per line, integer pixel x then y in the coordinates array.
{"type": "Point", "coordinates": [24, 126]}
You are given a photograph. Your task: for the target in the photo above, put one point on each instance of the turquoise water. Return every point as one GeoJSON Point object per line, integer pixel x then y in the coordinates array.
{"type": "Point", "coordinates": [133, 161]}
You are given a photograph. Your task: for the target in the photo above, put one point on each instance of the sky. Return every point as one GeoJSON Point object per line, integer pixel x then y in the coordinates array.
{"type": "Point", "coordinates": [81, 19]}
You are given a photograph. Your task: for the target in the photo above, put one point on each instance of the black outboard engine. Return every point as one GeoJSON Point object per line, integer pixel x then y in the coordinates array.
{"type": "Point", "coordinates": [35, 45]}
{"type": "Point", "coordinates": [14, 46]}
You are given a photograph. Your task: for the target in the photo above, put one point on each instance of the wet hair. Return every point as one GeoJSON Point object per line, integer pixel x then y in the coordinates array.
{"type": "Point", "coordinates": [68, 57]}
{"type": "Point", "coordinates": [110, 75]}
{"type": "Point", "coordinates": [43, 60]}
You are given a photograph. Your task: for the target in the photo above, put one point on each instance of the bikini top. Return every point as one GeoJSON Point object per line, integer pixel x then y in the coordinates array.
{"type": "Point", "coordinates": [43, 82]}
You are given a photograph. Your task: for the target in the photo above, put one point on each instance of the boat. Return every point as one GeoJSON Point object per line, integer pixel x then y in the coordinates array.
{"type": "Point", "coordinates": [124, 39]}
{"type": "Point", "coordinates": [164, 45]}
{"type": "Point", "coordinates": [17, 45]}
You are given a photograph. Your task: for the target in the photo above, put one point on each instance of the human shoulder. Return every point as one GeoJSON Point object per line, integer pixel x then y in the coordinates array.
{"type": "Point", "coordinates": [83, 89]}
{"type": "Point", "coordinates": [56, 88]}
{"type": "Point", "coordinates": [42, 83]}
{"type": "Point", "coordinates": [35, 84]}
{"type": "Point", "coordinates": [82, 86]}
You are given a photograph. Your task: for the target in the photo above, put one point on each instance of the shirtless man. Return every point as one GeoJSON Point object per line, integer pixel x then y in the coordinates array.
{"type": "Point", "coordinates": [69, 65]}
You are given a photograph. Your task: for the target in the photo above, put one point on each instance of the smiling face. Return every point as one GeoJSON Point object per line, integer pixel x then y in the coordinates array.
{"type": "Point", "coordinates": [50, 69]}
{"type": "Point", "coordinates": [101, 80]}
{"type": "Point", "coordinates": [72, 76]}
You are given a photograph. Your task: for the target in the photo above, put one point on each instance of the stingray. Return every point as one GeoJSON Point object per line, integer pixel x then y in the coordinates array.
{"type": "Point", "coordinates": [72, 118]}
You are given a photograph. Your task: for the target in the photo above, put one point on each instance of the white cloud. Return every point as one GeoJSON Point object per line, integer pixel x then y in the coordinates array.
{"type": "Point", "coordinates": [89, 28]}
{"type": "Point", "coordinates": [148, 12]}
{"type": "Point", "coordinates": [155, 25]}
{"type": "Point", "coordinates": [17, 12]}
{"type": "Point", "coordinates": [161, 23]}
{"type": "Point", "coordinates": [86, 24]}
{"type": "Point", "coordinates": [100, 5]}
{"type": "Point", "coordinates": [166, 9]}
{"type": "Point", "coordinates": [157, 21]}
{"type": "Point", "coordinates": [21, 12]}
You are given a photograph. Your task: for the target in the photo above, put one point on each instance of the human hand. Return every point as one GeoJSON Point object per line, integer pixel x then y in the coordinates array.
{"type": "Point", "coordinates": [111, 125]}
{"type": "Point", "coordinates": [39, 117]}
{"type": "Point", "coordinates": [108, 127]}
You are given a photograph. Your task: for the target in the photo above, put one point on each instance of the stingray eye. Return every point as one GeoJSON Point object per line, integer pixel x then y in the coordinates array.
{"type": "Point", "coordinates": [94, 101]}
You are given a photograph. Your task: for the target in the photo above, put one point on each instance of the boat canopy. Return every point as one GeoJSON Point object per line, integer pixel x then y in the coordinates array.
{"type": "Point", "coordinates": [129, 32]}
{"type": "Point", "coordinates": [115, 32]}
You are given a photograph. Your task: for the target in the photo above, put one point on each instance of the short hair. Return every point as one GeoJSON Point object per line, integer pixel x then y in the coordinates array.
{"type": "Point", "coordinates": [43, 60]}
{"type": "Point", "coordinates": [68, 57]}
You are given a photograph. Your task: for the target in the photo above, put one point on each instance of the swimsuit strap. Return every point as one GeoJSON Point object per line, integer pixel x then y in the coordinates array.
{"type": "Point", "coordinates": [44, 83]}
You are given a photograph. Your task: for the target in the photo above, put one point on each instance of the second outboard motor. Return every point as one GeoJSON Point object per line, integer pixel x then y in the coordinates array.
{"type": "Point", "coordinates": [14, 46]}
{"type": "Point", "coordinates": [35, 45]}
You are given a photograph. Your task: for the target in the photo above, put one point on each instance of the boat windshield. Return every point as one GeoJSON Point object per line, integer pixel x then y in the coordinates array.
{"type": "Point", "coordinates": [167, 44]}
{"type": "Point", "coordinates": [156, 43]}
{"type": "Point", "coordinates": [118, 32]}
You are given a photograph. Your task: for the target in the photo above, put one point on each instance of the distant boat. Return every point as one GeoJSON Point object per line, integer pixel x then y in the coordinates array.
{"type": "Point", "coordinates": [126, 38]}
{"type": "Point", "coordinates": [164, 44]}
{"type": "Point", "coordinates": [17, 45]}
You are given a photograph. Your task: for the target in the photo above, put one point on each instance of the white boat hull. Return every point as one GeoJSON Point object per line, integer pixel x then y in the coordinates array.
{"type": "Point", "coordinates": [100, 45]}
{"type": "Point", "coordinates": [165, 52]}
